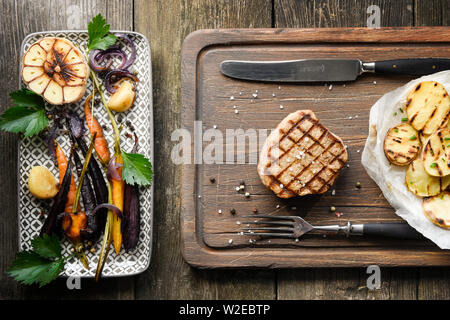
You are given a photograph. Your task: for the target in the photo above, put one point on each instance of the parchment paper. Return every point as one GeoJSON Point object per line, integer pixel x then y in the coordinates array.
{"type": "Point", "coordinates": [391, 178]}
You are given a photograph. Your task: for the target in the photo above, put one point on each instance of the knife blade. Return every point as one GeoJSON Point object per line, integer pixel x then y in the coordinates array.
{"type": "Point", "coordinates": [327, 70]}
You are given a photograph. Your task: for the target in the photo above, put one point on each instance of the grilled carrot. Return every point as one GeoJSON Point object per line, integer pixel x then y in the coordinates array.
{"type": "Point", "coordinates": [100, 143]}
{"type": "Point", "coordinates": [62, 167]}
{"type": "Point", "coordinates": [118, 189]}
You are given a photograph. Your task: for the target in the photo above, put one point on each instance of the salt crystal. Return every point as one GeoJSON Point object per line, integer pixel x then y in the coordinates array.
{"type": "Point", "coordinates": [219, 211]}
{"type": "Point", "coordinates": [273, 94]}
{"type": "Point", "coordinates": [281, 186]}
{"type": "Point", "coordinates": [333, 192]}
{"type": "Point", "coordinates": [234, 107]}
{"type": "Point", "coordinates": [236, 111]}
{"type": "Point", "coordinates": [230, 241]}
{"type": "Point", "coordinates": [232, 98]}
{"type": "Point", "coordinates": [357, 151]}
{"type": "Point", "coordinates": [281, 106]}
{"type": "Point", "coordinates": [214, 126]}
{"type": "Point", "coordinates": [238, 188]}
{"type": "Point", "coordinates": [238, 222]}
{"type": "Point", "coordinates": [254, 95]}
{"type": "Point", "coordinates": [350, 118]}
{"type": "Point", "coordinates": [278, 206]}
{"type": "Point", "coordinates": [374, 82]}
{"type": "Point", "coordinates": [330, 87]}
{"type": "Point", "coordinates": [279, 88]}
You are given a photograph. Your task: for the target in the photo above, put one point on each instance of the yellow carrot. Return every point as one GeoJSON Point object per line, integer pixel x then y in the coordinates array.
{"type": "Point", "coordinates": [118, 188]}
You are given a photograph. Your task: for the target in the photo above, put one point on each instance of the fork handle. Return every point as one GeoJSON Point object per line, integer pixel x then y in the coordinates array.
{"type": "Point", "coordinates": [391, 230]}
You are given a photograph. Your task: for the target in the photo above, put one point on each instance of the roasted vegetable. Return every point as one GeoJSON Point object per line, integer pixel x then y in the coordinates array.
{"type": "Point", "coordinates": [437, 209]}
{"type": "Point", "coordinates": [124, 97]}
{"type": "Point", "coordinates": [92, 229]}
{"type": "Point", "coordinates": [101, 145]}
{"type": "Point", "coordinates": [55, 69]}
{"type": "Point", "coordinates": [51, 222]}
{"type": "Point", "coordinates": [428, 107]}
{"type": "Point", "coordinates": [436, 154]}
{"type": "Point", "coordinates": [118, 189]}
{"type": "Point", "coordinates": [131, 212]}
{"type": "Point", "coordinates": [41, 183]}
{"type": "Point", "coordinates": [95, 173]}
{"type": "Point", "coordinates": [402, 144]}
{"type": "Point", "coordinates": [421, 183]}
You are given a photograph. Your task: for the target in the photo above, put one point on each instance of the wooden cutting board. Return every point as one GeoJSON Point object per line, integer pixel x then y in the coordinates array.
{"type": "Point", "coordinates": [209, 231]}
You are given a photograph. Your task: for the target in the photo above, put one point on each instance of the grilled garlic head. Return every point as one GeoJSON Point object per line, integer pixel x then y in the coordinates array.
{"type": "Point", "coordinates": [55, 69]}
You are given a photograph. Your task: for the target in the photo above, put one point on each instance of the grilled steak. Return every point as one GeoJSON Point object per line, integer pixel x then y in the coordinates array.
{"type": "Point", "coordinates": [301, 156]}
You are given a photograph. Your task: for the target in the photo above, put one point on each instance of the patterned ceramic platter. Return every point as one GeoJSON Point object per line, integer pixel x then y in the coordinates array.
{"type": "Point", "coordinates": [32, 152]}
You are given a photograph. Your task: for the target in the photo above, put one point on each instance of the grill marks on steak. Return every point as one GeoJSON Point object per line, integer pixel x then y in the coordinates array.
{"type": "Point", "coordinates": [301, 156]}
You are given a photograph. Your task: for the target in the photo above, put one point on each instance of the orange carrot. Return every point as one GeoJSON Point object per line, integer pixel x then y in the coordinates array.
{"type": "Point", "coordinates": [118, 189]}
{"type": "Point", "coordinates": [62, 167]}
{"type": "Point", "coordinates": [100, 143]}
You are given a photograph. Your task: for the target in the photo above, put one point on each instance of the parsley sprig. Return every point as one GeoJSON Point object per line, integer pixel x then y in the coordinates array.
{"type": "Point", "coordinates": [42, 264]}
{"type": "Point", "coordinates": [27, 115]}
{"type": "Point", "coordinates": [137, 169]}
{"type": "Point", "coordinates": [99, 36]}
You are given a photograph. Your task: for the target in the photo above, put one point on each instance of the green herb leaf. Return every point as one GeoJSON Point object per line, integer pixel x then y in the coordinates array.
{"type": "Point", "coordinates": [395, 113]}
{"type": "Point", "coordinates": [35, 266]}
{"type": "Point", "coordinates": [27, 98]}
{"type": "Point", "coordinates": [137, 169]}
{"type": "Point", "coordinates": [433, 165]}
{"type": "Point", "coordinates": [29, 268]}
{"type": "Point", "coordinates": [404, 119]}
{"type": "Point", "coordinates": [413, 137]}
{"type": "Point", "coordinates": [47, 246]}
{"type": "Point", "coordinates": [26, 116]}
{"type": "Point", "coordinates": [99, 36]}
{"type": "Point", "coordinates": [447, 138]}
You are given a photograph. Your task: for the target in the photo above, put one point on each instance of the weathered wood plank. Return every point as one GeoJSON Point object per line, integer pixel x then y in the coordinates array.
{"type": "Point", "coordinates": [166, 24]}
{"type": "Point", "coordinates": [340, 13]}
{"type": "Point", "coordinates": [20, 18]}
{"type": "Point", "coordinates": [431, 12]}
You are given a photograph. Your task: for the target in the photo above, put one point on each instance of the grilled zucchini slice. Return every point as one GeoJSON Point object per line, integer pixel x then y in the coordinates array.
{"type": "Point", "coordinates": [428, 107]}
{"type": "Point", "coordinates": [402, 144]}
{"type": "Point", "coordinates": [419, 182]}
{"type": "Point", "coordinates": [437, 209]}
{"type": "Point", "coordinates": [436, 154]}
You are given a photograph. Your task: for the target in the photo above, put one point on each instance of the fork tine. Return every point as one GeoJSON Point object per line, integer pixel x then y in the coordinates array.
{"type": "Point", "coordinates": [268, 216]}
{"type": "Point", "coordinates": [268, 234]}
{"type": "Point", "coordinates": [278, 223]}
{"type": "Point", "coordinates": [269, 228]}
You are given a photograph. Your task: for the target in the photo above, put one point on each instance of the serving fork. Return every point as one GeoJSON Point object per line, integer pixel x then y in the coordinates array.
{"type": "Point", "coordinates": [294, 227]}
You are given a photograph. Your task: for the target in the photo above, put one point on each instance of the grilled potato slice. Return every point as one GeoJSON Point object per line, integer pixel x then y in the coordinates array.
{"type": "Point", "coordinates": [436, 154]}
{"type": "Point", "coordinates": [402, 144]}
{"type": "Point", "coordinates": [428, 107]}
{"type": "Point", "coordinates": [419, 182]}
{"type": "Point", "coordinates": [437, 209]}
{"type": "Point", "coordinates": [424, 138]}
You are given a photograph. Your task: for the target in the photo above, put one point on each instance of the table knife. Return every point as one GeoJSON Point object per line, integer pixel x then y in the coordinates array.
{"type": "Point", "coordinates": [327, 70]}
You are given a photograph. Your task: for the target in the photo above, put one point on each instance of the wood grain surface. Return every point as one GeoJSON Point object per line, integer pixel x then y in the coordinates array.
{"type": "Point", "coordinates": [166, 23]}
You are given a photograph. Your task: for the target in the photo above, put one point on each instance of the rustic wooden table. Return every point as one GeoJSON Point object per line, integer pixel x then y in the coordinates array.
{"type": "Point", "coordinates": [166, 23]}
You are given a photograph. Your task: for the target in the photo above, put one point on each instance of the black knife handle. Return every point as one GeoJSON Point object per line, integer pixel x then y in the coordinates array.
{"type": "Point", "coordinates": [392, 230]}
{"type": "Point", "coordinates": [416, 67]}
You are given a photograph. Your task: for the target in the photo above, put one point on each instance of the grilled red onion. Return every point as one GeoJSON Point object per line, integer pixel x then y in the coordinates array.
{"type": "Point", "coordinates": [112, 169]}
{"type": "Point", "coordinates": [132, 57]}
{"type": "Point", "coordinates": [114, 75]}
{"type": "Point", "coordinates": [109, 207]}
